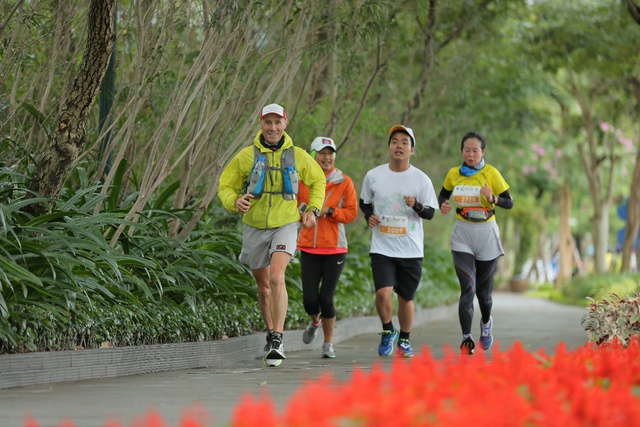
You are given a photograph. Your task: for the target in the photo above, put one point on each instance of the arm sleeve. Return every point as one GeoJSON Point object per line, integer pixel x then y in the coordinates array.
{"type": "Point", "coordinates": [424, 212]}
{"type": "Point", "coordinates": [367, 209]}
{"type": "Point", "coordinates": [505, 201]}
{"type": "Point", "coordinates": [443, 196]}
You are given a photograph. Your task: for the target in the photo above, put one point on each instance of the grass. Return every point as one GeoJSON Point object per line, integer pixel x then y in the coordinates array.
{"type": "Point", "coordinates": [578, 291]}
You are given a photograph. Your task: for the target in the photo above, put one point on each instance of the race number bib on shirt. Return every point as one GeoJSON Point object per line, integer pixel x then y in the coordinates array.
{"type": "Point", "coordinates": [467, 195]}
{"type": "Point", "coordinates": [393, 226]}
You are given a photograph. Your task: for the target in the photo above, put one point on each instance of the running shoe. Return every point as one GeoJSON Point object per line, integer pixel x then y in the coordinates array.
{"type": "Point", "coordinates": [386, 343]}
{"type": "Point", "coordinates": [310, 333]}
{"type": "Point", "coordinates": [267, 349]}
{"type": "Point", "coordinates": [486, 334]}
{"type": "Point", "coordinates": [404, 348]}
{"type": "Point", "coordinates": [274, 350]}
{"type": "Point", "coordinates": [327, 351]}
{"type": "Point", "coordinates": [468, 346]}
{"type": "Point", "coordinates": [272, 363]}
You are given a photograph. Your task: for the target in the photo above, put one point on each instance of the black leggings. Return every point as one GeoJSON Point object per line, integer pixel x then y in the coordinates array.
{"type": "Point", "coordinates": [315, 268]}
{"type": "Point", "coordinates": [476, 278]}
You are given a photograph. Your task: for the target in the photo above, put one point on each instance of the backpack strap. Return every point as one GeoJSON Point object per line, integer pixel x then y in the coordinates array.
{"type": "Point", "coordinates": [288, 171]}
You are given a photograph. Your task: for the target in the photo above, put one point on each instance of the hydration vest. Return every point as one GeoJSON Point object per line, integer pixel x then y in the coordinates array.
{"type": "Point", "coordinates": [258, 174]}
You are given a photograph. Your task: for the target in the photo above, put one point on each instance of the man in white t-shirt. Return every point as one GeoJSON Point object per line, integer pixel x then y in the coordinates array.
{"type": "Point", "coordinates": [395, 198]}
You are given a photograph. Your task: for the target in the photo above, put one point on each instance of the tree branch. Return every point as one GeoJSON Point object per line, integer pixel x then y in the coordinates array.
{"type": "Point", "coordinates": [379, 66]}
{"type": "Point", "coordinates": [634, 10]}
{"type": "Point", "coordinates": [10, 15]}
{"type": "Point", "coordinates": [69, 139]}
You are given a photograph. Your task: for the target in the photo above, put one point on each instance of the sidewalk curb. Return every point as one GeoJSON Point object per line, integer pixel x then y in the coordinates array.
{"type": "Point", "coordinates": [29, 369]}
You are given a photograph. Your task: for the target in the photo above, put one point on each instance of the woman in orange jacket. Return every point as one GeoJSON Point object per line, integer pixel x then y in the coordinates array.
{"type": "Point", "coordinates": [324, 247]}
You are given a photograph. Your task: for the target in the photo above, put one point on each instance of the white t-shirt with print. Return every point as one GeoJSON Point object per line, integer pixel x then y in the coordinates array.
{"type": "Point", "coordinates": [400, 235]}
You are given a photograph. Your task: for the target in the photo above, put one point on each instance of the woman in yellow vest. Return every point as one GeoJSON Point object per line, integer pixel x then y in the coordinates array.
{"type": "Point", "coordinates": [477, 188]}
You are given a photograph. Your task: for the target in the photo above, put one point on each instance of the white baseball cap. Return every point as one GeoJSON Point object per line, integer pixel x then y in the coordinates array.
{"type": "Point", "coordinates": [405, 130]}
{"type": "Point", "coordinates": [322, 142]}
{"type": "Point", "coordinates": [273, 109]}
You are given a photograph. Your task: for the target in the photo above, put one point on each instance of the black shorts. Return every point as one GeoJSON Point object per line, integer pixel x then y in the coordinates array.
{"type": "Point", "coordinates": [403, 274]}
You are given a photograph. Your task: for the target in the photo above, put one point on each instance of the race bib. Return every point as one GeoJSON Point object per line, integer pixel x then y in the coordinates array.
{"type": "Point", "coordinates": [393, 226]}
{"type": "Point", "coordinates": [467, 195]}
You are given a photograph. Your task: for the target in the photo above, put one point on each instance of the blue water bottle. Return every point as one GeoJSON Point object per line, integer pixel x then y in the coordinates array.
{"type": "Point", "coordinates": [256, 180]}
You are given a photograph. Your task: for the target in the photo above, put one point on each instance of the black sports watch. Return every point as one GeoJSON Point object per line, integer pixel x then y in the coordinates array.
{"type": "Point", "coordinates": [330, 212]}
{"type": "Point", "coordinates": [315, 211]}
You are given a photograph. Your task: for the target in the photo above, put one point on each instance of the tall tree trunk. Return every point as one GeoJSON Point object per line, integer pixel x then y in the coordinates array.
{"type": "Point", "coordinates": [634, 10]}
{"type": "Point", "coordinates": [633, 211]}
{"type": "Point", "coordinates": [565, 247]}
{"type": "Point", "coordinates": [69, 140]}
{"type": "Point", "coordinates": [601, 238]}
{"type": "Point", "coordinates": [633, 218]}
{"type": "Point", "coordinates": [565, 239]}
{"type": "Point", "coordinates": [595, 156]}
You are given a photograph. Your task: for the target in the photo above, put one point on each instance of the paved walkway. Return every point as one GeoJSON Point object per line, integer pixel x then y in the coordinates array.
{"type": "Point", "coordinates": [537, 324]}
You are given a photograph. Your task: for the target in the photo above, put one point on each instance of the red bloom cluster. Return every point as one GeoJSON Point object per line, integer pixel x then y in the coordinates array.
{"type": "Point", "coordinates": [591, 386]}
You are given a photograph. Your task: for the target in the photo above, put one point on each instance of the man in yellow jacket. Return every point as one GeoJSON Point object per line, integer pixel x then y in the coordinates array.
{"type": "Point", "coordinates": [261, 182]}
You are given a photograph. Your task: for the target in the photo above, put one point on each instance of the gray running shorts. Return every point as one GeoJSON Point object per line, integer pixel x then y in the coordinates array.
{"type": "Point", "coordinates": [259, 244]}
{"type": "Point", "coordinates": [480, 239]}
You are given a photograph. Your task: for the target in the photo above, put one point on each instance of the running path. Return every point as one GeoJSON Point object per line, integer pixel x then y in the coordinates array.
{"type": "Point", "coordinates": [538, 324]}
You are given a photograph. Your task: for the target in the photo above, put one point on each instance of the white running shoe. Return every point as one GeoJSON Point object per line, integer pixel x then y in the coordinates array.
{"type": "Point", "coordinates": [310, 332]}
{"type": "Point", "coordinates": [274, 350]}
{"type": "Point", "coordinates": [327, 351]}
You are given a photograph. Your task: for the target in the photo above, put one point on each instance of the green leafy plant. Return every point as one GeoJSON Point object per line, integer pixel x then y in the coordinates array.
{"type": "Point", "coordinates": [613, 319]}
{"type": "Point", "coordinates": [63, 284]}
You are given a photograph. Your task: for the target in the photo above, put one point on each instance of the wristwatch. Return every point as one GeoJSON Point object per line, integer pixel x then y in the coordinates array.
{"type": "Point", "coordinates": [315, 211]}
{"type": "Point", "coordinates": [330, 212]}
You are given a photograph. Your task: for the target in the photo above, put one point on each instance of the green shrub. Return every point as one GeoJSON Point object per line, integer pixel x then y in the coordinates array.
{"type": "Point", "coordinates": [613, 318]}
{"type": "Point", "coordinates": [126, 325]}
{"type": "Point", "coordinates": [597, 287]}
